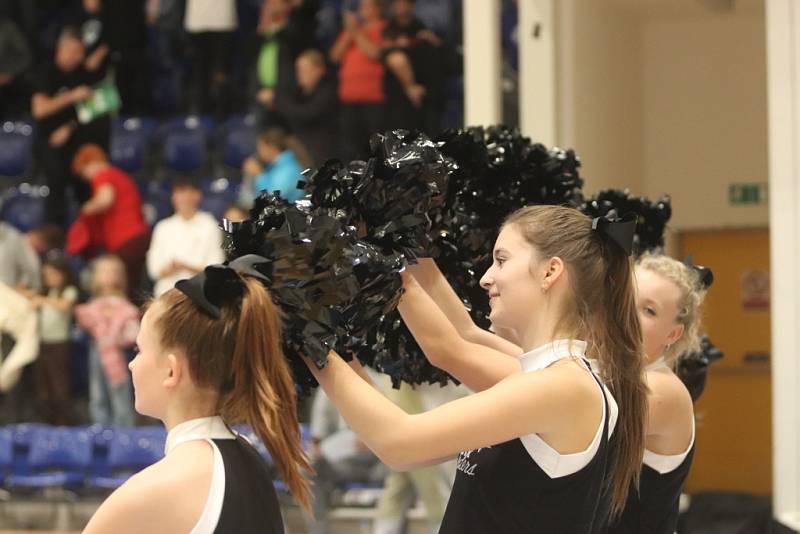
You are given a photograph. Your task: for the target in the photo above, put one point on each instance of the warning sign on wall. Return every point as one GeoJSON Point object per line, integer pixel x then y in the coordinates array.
{"type": "Point", "coordinates": [755, 291]}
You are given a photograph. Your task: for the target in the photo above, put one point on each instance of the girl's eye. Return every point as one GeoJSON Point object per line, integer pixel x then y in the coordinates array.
{"type": "Point", "coordinates": [650, 311]}
{"type": "Point", "coordinates": [499, 261]}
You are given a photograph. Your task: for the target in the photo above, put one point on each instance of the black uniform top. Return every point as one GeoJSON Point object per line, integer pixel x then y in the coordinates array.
{"type": "Point", "coordinates": [242, 498]}
{"type": "Point", "coordinates": [502, 489]}
{"type": "Point", "coordinates": [654, 510]}
{"type": "Point", "coordinates": [250, 503]}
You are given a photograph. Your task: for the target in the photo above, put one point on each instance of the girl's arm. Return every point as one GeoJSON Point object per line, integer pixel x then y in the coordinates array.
{"type": "Point", "coordinates": [427, 273]}
{"type": "Point", "coordinates": [476, 365]}
{"type": "Point", "coordinates": [541, 402]}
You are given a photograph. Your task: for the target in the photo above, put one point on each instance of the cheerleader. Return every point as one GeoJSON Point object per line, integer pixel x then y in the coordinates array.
{"type": "Point", "coordinates": [669, 296]}
{"type": "Point", "coordinates": [209, 354]}
{"type": "Point", "coordinates": [534, 446]}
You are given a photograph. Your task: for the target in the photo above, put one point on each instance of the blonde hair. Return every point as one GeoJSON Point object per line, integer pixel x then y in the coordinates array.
{"type": "Point", "coordinates": [692, 292]}
{"type": "Point", "coordinates": [113, 262]}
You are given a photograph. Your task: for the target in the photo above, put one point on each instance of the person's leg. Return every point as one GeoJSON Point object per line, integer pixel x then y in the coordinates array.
{"type": "Point", "coordinates": [122, 403]}
{"type": "Point", "coordinates": [99, 401]}
{"type": "Point", "coordinates": [433, 490]}
{"type": "Point", "coordinates": [42, 375]}
{"type": "Point", "coordinates": [323, 485]}
{"type": "Point", "coordinates": [396, 499]}
{"type": "Point", "coordinates": [61, 383]}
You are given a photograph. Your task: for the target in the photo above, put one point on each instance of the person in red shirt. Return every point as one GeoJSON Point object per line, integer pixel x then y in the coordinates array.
{"type": "Point", "coordinates": [358, 49]}
{"type": "Point", "coordinates": [113, 215]}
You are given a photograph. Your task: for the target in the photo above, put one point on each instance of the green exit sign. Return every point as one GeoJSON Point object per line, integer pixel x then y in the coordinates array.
{"type": "Point", "coordinates": [752, 193]}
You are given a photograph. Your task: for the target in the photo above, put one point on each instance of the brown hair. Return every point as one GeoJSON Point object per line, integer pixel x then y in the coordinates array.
{"type": "Point", "coordinates": [603, 313]}
{"type": "Point", "coordinates": [689, 306]}
{"type": "Point", "coordinates": [282, 141]}
{"type": "Point", "coordinates": [314, 56]}
{"type": "Point", "coordinates": [87, 154]}
{"type": "Point", "coordinates": [240, 356]}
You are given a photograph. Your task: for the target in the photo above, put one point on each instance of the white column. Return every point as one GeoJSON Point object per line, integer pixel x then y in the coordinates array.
{"type": "Point", "coordinates": [783, 73]}
{"type": "Point", "coordinates": [483, 104]}
{"type": "Point", "coordinates": [537, 70]}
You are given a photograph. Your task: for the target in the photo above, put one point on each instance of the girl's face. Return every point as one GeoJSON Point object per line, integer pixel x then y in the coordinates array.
{"type": "Point", "coordinates": [514, 290]}
{"type": "Point", "coordinates": [658, 301]}
{"type": "Point", "coordinates": [53, 278]}
{"type": "Point", "coordinates": [150, 368]}
{"type": "Point", "coordinates": [107, 276]}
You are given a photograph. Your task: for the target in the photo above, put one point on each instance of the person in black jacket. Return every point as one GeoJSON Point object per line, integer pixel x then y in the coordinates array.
{"type": "Point", "coordinates": [311, 109]}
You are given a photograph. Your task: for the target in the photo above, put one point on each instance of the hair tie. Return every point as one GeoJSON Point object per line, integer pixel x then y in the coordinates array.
{"type": "Point", "coordinates": [219, 284]}
{"type": "Point", "coordinates": [621, 230]}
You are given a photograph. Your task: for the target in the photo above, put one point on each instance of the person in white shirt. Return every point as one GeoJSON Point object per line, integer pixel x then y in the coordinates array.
{"type": "Point", "coordinates": [184, 243]}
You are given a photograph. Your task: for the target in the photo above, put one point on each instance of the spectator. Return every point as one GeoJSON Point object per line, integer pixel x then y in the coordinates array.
{"type": "Point", "coordinates": [60, 86]}
{"type": "Point", "coordinates": [236, 213]}
{"type": "Point", "coordinates": [53, 365]}
{"type": "Point", "coordinates": [19, 264]}
{"type": "Point", "coordinates": [285, 29]}
{"type": "Point", "coordinates": [276, 166]}
{"type": "Point", "coordinates": [311, 110]}
{"type": "Point", "coordinates": [122, 37]}
{"type": "Point", "coordinates": [338, 455]}
{"type": "Point", "coordinates": [358, 49]}
{"type": "Point", "coordinates": [415, 60]}
{"type": "Point", "coordinates": [111, 219]}
{"type": "Point", "coordinates": [184, 243]}
{"type": "Point", "coordinates": [46, 238]}
{"type": "Point", "coordinates": [15, 62]}
{"type": "Point", "coordinates": [113, 323]}
{"type": "Point", "coordinates": [210, 25]}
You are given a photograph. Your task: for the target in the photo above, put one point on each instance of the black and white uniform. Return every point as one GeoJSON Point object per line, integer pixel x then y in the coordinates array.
{"type": "Point", "coordinates": [525, 486]}
{"type": "Point", "coordinates": [655, 509]}
{"type": "Point", "coordinates": [242, 499]}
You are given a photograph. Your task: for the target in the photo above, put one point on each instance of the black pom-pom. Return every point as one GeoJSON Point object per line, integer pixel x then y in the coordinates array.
{"type": "Point", "coordinates": [692, 367]}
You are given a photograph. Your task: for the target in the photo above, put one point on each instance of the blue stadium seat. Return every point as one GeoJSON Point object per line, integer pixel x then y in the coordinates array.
{"type": "Point", "coordinates": [58, 457]}
{"type": "Point", "coordinates": [218, 194]}
{"type": "Point", "coordinates": [185, 142]}
{"type": "Point", "coordinates": [130, 141]}
{"type": "Point", "coordinates": [238, 140]}
{"type": "Point", "coordinates": [6, 452]}
{"type": "Point", "coordinates": [23, 206]}
{"type": "Point", "coordinates": [16, 149]}
{"type": "Point", "coordinates": [130, 450]}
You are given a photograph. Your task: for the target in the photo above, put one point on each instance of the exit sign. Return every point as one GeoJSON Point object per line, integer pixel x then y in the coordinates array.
{"type": "Point", "coordinates": [752, 193]}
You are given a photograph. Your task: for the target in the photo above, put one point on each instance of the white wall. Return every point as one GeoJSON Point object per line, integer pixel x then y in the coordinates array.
{"type": "Point", "coordinates": [705, 114]}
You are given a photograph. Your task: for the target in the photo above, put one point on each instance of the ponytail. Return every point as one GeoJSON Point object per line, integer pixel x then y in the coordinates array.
{"type": "Point", "coordinates": [619, 351]}
{"type": "Point", "coordinates": [263, 391]}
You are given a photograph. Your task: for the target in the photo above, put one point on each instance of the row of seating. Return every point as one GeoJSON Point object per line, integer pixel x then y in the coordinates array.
{"type": "Point", "coordinates": [181, 144]}
{"type": "Point", "coordinates": [23, 205]}
{"type": "Point", "coordinates": [85, 459]}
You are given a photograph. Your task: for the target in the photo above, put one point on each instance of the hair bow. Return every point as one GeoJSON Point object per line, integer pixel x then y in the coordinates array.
{"type": "Point", "coordinates": [621, 230]}
{"type": "Point", "coordinates": [219, 284]}
{"type": "Point", "coordinates": [704, 274]}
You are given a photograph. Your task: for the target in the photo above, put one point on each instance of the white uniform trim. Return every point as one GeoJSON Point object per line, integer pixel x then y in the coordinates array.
{"type": "Point", "coordinates": [553, 463]}
{"type": "Point", "coordinates": [207, 429]}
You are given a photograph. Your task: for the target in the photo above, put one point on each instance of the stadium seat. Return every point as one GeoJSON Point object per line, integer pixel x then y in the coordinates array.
{"type": "Point", "coordinates": [16, 149]}
{"type": "Point", "coordinates": [58, 457]}
{"type": "Point", "coordinates": [185, 143]}
{"type": "Point", "coordinates": [6, 452]}
{"type": "Point", "coordinates": [130, 450]}
{"type": "Point", "coordinates": [238, 140]}
{"type": "Point", "coordinates": [130, 142]}
{"type": "Point", "coordinates": [23, 206]}
{"type": "Point", "coordinates": [218, 194]}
